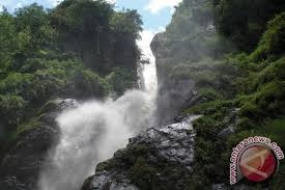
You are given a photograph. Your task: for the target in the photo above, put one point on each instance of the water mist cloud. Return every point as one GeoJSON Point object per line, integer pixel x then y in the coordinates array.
{"type": "Point", "coordinates": [90, 134]}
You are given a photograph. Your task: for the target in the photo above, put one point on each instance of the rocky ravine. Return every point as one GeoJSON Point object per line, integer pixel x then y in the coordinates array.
{"type": "Point", "coordinates": [21, 165]}
{"type": "Point", "coordinates": [165, 154]}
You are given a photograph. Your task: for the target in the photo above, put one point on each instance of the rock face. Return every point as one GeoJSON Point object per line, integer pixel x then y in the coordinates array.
{"type": "Point", "coordinates": [171, 98]}
{"type": "Point", "coordinates": [223, 186]}
{"type": "Point", "coordinates": [20, 167]}
{"type": "Point", "coordinates": [105, 180]}
{"type": "Point", "coordinates": [152, 159]}
{"type": "Point", "coordinates": [173, 94]}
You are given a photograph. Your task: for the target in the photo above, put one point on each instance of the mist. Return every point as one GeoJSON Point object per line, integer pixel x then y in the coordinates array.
{"type": "Point", "coordinates": [90, 134]}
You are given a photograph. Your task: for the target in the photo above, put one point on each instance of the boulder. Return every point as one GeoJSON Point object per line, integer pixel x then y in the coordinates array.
{"type": "Point", "coordinates": [167, 153]}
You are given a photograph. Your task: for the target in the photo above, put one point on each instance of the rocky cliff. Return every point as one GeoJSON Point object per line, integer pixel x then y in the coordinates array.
{"type": "Point", "coordinates": [154, 159]}
{"type": "Point", "coordinates": [187, 59]}
{"type": "Point", "coordinates": [28, 154]}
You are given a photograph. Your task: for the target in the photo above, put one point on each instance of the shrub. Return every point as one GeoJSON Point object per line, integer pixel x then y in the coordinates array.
{"type": "Point", "coordinates": [273, 39]}
{"type": "Point", "coordinates": [209, 94]}
{"type": "Point", "coordinates": [271, 98]}
{"type": "Point", "coordinates": [121, 79]}
{"type": "Point", "coordinates": [142, 175]}
{"type": "Point", "coordinates": [89, 85]}
{"type": "Point", "coordinates": [274, 71]}
{"type": "Point", "coordinates": [12, 109]}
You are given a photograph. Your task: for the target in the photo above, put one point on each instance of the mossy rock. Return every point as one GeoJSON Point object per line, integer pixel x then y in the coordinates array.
{"type": "Point", "coordinates": [51, 105]}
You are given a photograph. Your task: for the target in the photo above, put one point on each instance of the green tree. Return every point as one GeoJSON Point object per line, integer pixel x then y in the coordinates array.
{"type": "Point", "coordinates": [33, 20]}
{"type": "Point", "coordinates": [244, 21]}
{"type": "Point", "coordinates": [129, 22]}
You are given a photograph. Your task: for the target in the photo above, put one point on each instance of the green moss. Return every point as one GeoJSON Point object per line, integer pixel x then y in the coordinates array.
{"type": "Point", "coordinates": [276, 130]}
{"type": "Point", "coordinates": [246, 123]}
{"type": "Point", "coordinates": [34, 123]}
{"type": "Point", "coordinates": [271, 98]}
{"type": "Point", "coordinates": [209, 94]}
{"type": "Point", "coordinates": [13, 136]}
{"type": "Point", "coordinates": [106, 165]}
{"type": "Point", "coordinates": [199, 181]}
{"type": "Point", "coordinates": [243, 99]}
{"type": "Point", "coordinates": [274, 71]}
{"type": "Point", "coordinates": [142, 175]}
{"type": "Point", "coordinates": [12, 109]}
{"type": "Point", "coordinates": [209, 107]}
{"type": "Point", "coordinates": [139, 149]}
{"type": "Point", "coordinates": [251, 111]}
{"type": "Point", "coordinates": [267, 101]}
{"type": "Point", "coordinates": [49, 106]}
{"type": "Point", "coordinates": [236, 138]}
{"type": "Point", "coordinates": [204, 123]}
{"type": "Point", "coordinates": [272, 41]}
{"type": "Point", "coordinates": [252, 81]}
{"type": "Point", "coordinates": [208, 149]}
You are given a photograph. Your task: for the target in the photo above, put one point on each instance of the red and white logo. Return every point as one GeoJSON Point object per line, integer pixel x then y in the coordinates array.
{"type": "Point", "coordinates": [256, 159]}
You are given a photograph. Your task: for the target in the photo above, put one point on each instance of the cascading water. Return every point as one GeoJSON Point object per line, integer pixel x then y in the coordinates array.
{"type": "Point", "coordinates": [94, 130]}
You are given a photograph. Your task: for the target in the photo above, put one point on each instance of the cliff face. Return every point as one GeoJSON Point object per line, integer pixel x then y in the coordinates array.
{"type": "Point", "coordinates": [187, 55]}
{"type": "Point", "coordinates": [172, 94]}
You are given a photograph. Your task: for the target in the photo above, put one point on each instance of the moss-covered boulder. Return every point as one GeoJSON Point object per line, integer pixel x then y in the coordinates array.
{"type": "Point", "coordinates": [158, 159]}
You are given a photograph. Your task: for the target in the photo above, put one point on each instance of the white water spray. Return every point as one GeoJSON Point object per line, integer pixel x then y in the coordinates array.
{"type": "Point", "coordinates": [92, 132]}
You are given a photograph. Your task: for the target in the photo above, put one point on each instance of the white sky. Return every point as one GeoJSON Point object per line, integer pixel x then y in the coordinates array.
{"type": "Point", "coordinates": [154, 6]}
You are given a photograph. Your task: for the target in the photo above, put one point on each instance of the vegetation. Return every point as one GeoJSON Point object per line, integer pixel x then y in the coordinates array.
{"type": "Point", "coordinates": [259, 93]}
{"type": "Point", "coordinates": [80, 49]}
{"type": "Point", "coordinates": [238, 68]}
{"type": "Point", "coordinates": [244, 22]}
{"type": "Point", "coordinates": [232, 49]}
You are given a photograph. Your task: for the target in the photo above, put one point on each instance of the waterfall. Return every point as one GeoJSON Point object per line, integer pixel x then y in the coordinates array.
{"type": "Point", "coordinates": [93, 131]}
{"type": "Point", "coordinates": [149, 70]}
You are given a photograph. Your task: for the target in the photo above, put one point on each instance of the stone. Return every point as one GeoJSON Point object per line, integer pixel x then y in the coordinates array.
{"type": "Point", "coordinates": [172, 144]}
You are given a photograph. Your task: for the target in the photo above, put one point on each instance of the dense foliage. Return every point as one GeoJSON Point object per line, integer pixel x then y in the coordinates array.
{"type": "Point", "coordinates": [259, 95]}
{"type": "Point", "coordinates": [234, 52]}
{"type": "Point", "coordinates": [243, 22]}
{"type": "Point", "coordinates": [80, 49]}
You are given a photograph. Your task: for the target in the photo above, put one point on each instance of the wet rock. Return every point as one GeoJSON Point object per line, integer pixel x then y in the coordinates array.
{"type": "Point", "coordinates": [107, 181]}
{"type": "Point", "coordinates": [66, 104]}
{"type": "Point", "coordinates": [170, 146]}
{"type": "Point", "coordinates": [232, 119]}
{"type": "Point", "coordinates": [173, 142]}
{"type": "Point", "coordinates": [223, 186]}
{"type": "Point", "coordinates": [20, 166]}
{"type": "Point", "coordinates": [219, 187]}
{"type": "Point", "coordinates": [171, 102]}
{"type": "Point", "coordinates": [227, 131]}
